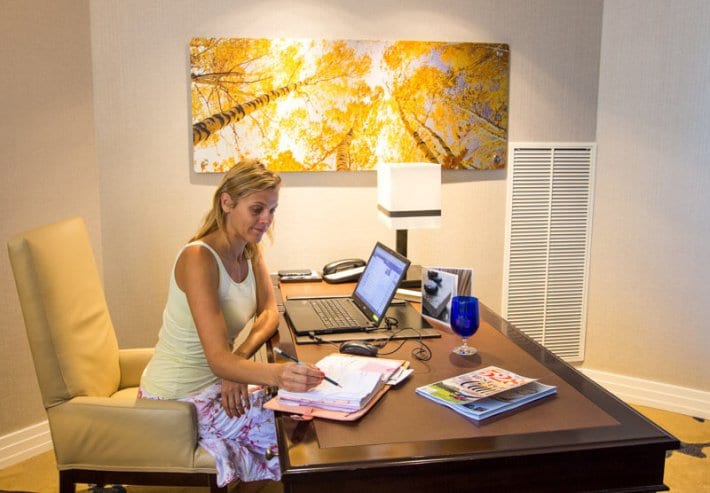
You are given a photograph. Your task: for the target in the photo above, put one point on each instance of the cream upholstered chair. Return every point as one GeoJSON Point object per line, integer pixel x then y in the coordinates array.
{"type": "Point", "coordinates": [101, 433]}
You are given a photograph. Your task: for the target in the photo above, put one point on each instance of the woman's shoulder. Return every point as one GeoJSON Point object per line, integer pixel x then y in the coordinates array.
{"type": "Point", "coordinates": [198, 252]}
{"type": "Point", "coordinates": [203, 245]}
{"type": "Point", "coordinates": [196, 264]}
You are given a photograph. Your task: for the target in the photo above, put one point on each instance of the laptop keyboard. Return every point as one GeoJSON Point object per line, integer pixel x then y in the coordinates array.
{"type": "Point", "coordinates": [332, 313]}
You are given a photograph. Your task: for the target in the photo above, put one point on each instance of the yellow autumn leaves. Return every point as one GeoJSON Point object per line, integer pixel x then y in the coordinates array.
{"type": "Point", "coordinates": [307, 105]}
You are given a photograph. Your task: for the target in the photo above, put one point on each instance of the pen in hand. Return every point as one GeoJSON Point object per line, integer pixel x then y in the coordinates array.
{"type": "Point", "coordinates": [288, 356]}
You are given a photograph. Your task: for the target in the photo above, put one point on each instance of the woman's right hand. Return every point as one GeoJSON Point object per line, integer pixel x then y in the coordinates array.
{"type": "Point", "coordinates": [298, 378]}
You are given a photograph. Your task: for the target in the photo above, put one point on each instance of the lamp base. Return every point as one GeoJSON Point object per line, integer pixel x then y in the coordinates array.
{"type": "Point", "coordinates": [413, 278]}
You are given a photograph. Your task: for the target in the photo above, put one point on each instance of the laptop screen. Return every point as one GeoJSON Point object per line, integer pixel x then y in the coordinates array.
{"type": "Point", "coordinates": [378, 283]}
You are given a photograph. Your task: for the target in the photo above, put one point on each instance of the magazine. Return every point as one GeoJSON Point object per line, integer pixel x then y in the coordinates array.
{"type": "Point", "coordinates": [486, 392]}
{"type": "Point", "coordinates": [439, 286]}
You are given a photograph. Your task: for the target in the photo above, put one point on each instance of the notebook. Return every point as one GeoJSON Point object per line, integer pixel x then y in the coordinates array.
{"type": "Point", "coordinates": [364, 309]}
{"type": "Point", "coordinates": [362, 382]}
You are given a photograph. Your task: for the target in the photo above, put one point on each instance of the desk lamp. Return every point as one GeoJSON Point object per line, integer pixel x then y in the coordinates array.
{"type": "Point", "coordinates": [409, 196]}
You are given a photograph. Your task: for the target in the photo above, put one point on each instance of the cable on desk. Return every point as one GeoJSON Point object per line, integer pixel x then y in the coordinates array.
{"type": "Point", "coordinates": [422, 352]}
{"type": "Point", "coordinates": [320, 340]}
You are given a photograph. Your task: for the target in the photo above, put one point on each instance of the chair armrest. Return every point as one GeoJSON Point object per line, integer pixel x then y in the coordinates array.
{"type": "Point", "coordinates": [132, 362]}
{"type": "Point", "coordinates": [115, 434]}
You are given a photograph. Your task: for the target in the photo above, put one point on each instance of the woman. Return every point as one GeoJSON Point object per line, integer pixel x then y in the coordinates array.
{"type": "Point", "coordinates": [219, 285]}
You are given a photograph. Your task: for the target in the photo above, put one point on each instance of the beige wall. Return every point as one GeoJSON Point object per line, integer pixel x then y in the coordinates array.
{"type": "Point", "coordinates": [127, 167]}
{"type": "Point", "coordinates": [151, 201]}
{"type": "Point", "coordinates": [48, 163]}
{"type": "Point", "coordinates": [650, 268]}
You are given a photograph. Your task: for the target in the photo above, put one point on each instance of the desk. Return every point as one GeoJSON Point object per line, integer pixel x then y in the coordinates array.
{"type": "Point", "coordinates": [582, 439]}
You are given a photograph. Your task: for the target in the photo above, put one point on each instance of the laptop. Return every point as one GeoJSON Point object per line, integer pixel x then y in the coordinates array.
{"type": "Point", "coordinates": [363, 310]}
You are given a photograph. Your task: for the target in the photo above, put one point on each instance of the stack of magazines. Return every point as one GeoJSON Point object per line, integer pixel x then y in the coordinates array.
{"type": "Point", "coordinates": [486, 392]}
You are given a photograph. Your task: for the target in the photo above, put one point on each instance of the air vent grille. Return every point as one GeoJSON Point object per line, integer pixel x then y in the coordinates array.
{"type": "Point", "coordinates": [547, 243]}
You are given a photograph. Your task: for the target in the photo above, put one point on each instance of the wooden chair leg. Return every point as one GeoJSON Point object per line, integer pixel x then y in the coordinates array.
{"type": "Point", "coordinates": [66, 482]}
{"type": "Point", "coordinates": [213, 485]}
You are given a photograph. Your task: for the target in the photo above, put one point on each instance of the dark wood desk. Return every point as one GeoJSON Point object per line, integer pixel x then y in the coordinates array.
{"type": "Point", "coordinates": [582, 439]}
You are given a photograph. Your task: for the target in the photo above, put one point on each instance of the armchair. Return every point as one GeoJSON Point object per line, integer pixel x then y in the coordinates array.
{"type": "Point", "coordinates": [101, 433]}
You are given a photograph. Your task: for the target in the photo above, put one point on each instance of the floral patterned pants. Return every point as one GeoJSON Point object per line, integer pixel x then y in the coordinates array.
{"type": "Point", "coordinates": [243, 447]}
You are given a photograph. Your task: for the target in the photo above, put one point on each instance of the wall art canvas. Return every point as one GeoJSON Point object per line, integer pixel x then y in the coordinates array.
{"type": "Point", "coordinates": [341, 105]}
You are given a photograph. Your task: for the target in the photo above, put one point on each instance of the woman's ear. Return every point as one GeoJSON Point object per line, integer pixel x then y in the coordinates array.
{"type": "Point", "coordinates": [226, 202]}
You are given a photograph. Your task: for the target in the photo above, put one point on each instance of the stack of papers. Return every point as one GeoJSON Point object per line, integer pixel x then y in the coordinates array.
{"type": "Point", "coordinates": [356, 391]}
{"type": "Point", "coordinates": [360, 379]}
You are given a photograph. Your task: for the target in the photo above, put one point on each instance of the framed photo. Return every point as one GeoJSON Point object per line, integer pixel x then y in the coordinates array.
{"type": "Point", "coordinates": [439, 286]}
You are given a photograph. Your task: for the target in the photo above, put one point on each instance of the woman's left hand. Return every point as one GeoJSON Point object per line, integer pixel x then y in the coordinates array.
{"type": "Point", "coordinates": [235, 398]}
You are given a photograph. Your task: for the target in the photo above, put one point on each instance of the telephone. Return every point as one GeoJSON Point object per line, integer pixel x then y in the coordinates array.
{"type": "Point", "coordinates": [344, 270]}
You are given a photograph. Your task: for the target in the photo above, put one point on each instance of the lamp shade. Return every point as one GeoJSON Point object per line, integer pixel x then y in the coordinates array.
{"type": "Point", "coordinates": [409, 195]}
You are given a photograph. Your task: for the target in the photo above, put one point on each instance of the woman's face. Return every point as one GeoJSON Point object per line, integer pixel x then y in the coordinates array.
{"type": "Point", "coordinates": [252, 215]}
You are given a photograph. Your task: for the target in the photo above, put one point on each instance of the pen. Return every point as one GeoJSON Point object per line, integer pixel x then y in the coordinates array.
{"type": "Point", "coordinates": [288, 356]}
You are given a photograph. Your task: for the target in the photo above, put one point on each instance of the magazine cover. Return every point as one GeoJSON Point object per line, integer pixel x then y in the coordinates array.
{"type": "Point", "coordinates": [439, 286]}
{"type": "Point", "coordinates": [478, 384]}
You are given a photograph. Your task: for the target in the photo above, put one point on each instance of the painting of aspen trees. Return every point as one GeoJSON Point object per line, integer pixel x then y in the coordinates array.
{"type": "Point", "coordinates": [340, 105]}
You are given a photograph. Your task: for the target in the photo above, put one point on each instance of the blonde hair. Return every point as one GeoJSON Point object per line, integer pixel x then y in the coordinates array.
{"type": "Point", "coordinates": [244, 178]}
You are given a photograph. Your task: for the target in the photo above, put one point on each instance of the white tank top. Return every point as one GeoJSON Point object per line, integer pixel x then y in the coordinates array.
{"type": "Point", "coordinates": [179, 367]}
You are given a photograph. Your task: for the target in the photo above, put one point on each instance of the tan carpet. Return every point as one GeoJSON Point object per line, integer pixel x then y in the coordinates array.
{"type": "Point", "coordinates": [687, 470]}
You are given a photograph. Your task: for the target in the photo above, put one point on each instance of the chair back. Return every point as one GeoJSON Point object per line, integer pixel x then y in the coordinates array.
{"type": "Point", "coordinates": [68, 324]}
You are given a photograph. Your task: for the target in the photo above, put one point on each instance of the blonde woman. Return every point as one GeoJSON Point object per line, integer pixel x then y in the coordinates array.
{"type": "Point", "coordinates": [220, 286]}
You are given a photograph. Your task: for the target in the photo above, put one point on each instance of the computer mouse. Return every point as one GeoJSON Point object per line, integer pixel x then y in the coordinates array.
{"type": "Point", "coordinates": [359, 348]}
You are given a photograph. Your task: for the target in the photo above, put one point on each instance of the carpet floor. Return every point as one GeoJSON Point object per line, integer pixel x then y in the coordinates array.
{"type": "Point", "coordinates": [687, 470]}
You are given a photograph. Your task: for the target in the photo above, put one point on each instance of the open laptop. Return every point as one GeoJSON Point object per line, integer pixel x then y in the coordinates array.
{"type": "Point", "coordinates": [365, 308]}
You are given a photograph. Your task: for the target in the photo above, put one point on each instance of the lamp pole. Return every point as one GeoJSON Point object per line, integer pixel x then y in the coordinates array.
{"type": "Point", "coordinates": [402, 242]}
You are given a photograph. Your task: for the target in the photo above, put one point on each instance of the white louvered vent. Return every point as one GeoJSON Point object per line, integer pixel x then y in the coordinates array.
{"type": "Point", "coordinates": [547, 243]}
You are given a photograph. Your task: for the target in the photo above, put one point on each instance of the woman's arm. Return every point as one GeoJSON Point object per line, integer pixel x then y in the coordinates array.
{"type": "Point", "coordinates": [267, 315]}
{"type": "Point", "coordinates": [234, 395]}
{"type": "Point", "coordinates": [197, 275]}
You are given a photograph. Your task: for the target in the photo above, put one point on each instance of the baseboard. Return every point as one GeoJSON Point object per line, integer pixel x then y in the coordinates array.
{"type": "Point", "coordinates": [663, 396]}
{"type": "Point", "coordinates": [24, 444]}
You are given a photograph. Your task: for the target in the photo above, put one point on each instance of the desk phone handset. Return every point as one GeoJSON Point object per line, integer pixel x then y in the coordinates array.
{"type": "Point", "coordinates": [345, 270]}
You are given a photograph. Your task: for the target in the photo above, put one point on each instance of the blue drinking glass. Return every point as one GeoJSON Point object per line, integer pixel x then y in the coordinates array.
{"type": "Point", "coordinates": [464, 321]}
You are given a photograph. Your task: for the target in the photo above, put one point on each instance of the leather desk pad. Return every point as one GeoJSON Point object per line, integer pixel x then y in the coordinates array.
{"type": "Point", "coordinates": [403, 416]}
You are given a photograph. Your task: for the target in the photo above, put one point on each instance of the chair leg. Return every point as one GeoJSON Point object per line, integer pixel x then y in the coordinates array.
{"type": "Point", "coordinates": [212, 480]}
{"type": "Point", "coordinates": [66, 482]}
